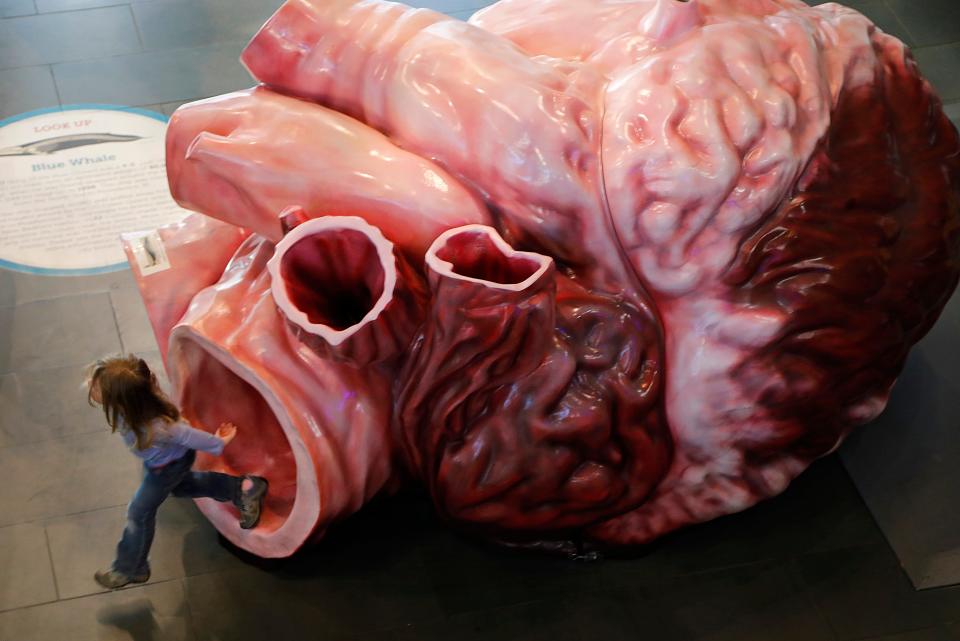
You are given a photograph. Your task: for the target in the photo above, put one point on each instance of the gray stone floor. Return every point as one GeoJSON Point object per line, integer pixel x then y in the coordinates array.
{"type": "Point", "coordinates": [807, 566]}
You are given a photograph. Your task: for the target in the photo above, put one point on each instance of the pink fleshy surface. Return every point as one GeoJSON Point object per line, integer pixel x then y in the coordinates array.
{"type": "Point", "coordinates": [752, 208]}
{"type": "Point", "coordinates": [317, 430]}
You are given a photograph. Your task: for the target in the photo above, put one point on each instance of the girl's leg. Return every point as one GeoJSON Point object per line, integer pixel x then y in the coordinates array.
{"type": "Point", "coordinates": [245, 492]}
{"type": "Point", "coordinates": [220, 487]}
{"type": "Point", "coordinates": [137, 536]}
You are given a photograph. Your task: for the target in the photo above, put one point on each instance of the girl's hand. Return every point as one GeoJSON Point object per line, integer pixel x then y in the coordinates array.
{"type": "Point", "coordinates": [226, 432]}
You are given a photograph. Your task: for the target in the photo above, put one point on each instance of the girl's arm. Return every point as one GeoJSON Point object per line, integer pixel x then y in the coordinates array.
{"type": "Point", "coordinates": [195, 439]}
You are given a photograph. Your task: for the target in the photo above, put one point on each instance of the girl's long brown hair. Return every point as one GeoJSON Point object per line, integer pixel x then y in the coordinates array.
{"type": "Point", "coordinates": [129, 395]}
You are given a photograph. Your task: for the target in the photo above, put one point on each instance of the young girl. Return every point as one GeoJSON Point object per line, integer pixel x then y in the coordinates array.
{"type": "Point", "coordinates": [153, 430]}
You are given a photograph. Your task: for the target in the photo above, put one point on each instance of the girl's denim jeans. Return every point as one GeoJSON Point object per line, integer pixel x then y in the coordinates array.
{"type": "Point", "coordinates": [174, 478]}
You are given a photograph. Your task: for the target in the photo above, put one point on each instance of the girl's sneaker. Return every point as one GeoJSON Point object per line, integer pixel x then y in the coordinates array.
{"type": "Point", "coordinates": [251, 502]}
{"type": "Point", "coordinates": [111, 579]}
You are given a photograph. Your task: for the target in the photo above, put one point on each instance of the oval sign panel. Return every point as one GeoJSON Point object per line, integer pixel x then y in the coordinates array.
{"type": "Point", "coordinates": [73, 179]}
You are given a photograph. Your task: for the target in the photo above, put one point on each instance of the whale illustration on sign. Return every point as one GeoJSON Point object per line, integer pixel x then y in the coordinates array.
{"type": "Point", "coordinates": [49, 146]}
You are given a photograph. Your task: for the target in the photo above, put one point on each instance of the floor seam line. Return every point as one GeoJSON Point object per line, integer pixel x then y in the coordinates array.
{"type": "Point", "coordinates": [896, 15]}
{"type": "Point", "coordinates": [48, 440]}
{"type": "Point", "coordinates": [116, 322]}
{"type": "Point", "coordinates": [143, 51]}
{"type": "Point", "coordinates": [118, 3]}
{"type": "Point", "coordinates": [45, 519]}
{"type": "Point", "coordinates": [58, 296]}
{"type": "Point", "coordinates": [53, 569]}
{"type": "Point", "coordinates": [136, 26]}
{"type": "Point", "coordinates": [138, 586]}
{"type": "Point", "coordinates": [56, 89]}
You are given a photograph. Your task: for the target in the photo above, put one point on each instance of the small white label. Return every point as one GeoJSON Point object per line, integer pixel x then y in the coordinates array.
{"type": "Point", "coordinates": [148, 250]}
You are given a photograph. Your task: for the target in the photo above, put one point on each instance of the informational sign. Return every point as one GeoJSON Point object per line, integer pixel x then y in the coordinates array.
{"type": "Point", "coordinates": [72, 179]}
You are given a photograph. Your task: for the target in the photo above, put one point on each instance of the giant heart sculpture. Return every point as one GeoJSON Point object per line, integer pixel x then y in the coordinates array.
{"type": "Point", "coordinates": [588, 270]}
